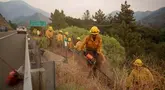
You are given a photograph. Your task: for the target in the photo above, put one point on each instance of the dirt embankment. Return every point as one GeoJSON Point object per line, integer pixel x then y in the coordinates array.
{"type": "Point", "coordinates": [3, 22]}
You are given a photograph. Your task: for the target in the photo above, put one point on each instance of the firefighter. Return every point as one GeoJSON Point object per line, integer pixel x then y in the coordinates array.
{"type": "Point", "coordinates": [140, 78]}
{"type": "Point", "coordinates": [92, 44]}
{"type": "Point", "coordinates": [70, 44]}
{"type": "Point", "coordinates": [78, 44]}
{"type": "Point", "coordinates": [38, 33]}
{"type": "Point", "coordinates": [34, 31]}
{"type": "Point", "coordinates": [65, 38]}
{"type": "Point", "coordinates": [59, 38]}
{"type": "Point", "coordinates": [49, 34]}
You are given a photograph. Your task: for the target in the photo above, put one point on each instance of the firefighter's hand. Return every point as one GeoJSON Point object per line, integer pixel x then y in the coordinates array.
{"type": "Point", "coordinates": [98, 52]}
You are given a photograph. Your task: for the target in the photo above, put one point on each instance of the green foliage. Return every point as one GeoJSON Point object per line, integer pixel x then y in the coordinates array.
{"type": "Point", "coordinates": [99, 17]}
{"type": "Point", "coordinates": [74, 22]}
{"type": "Point", "coordinates": [87, 21]}
{"type": "Point", "coordinates": [76, 32]}
{"type": "Point", "coordinates": [125, 15]}
{"type": "Point", "coordinates": [162, 35]}
{"type": "Point", "coordinates": [113, 50]}
{"type": "Point", "coordinates": [43, 42]}
{"type": "Point", "coordinates": [126, 31]}
{"type": "Point", "coordinates": [160, 48]}
{"type": "Point", "coordinates": [86, 15]}
{"type": "Point", "coordinates": [13, 25]}
{"type": "Point", "coordinates": [58, 19]}
{"type": "Point", "coordinates": [109, 19]}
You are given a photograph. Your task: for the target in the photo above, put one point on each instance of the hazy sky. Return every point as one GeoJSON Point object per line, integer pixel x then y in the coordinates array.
{"type": "Point", "coordinates": [76, 8]}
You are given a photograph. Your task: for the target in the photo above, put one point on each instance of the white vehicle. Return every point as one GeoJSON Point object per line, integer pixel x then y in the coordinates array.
{"type": "Point", "coordinates": [22, 29]}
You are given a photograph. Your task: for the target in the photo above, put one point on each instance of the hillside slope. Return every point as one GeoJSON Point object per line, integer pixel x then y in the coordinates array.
{"type": "Point", "coordinates": [24, 20]}
{"type": "Point", "coordinates": [139, 15]}
{"type": "Point", "coordinates": [3, 22]}
{"type": "Point", "coordinates": [16, 8]}
{"type": "Point", "coordinates": [155, 19]}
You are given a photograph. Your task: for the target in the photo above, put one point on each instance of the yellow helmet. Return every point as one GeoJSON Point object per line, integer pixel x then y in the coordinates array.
{"type": "Point", "coordinates": [94, 30]}
{"type": "Point", "coordinates": [50, 28]}
{"type": "Point", "coordinates": [69, 40]}
{"type": "Point", "coordinates": [60, 31]}
{"type": "Point", "coordinates": [78, 38]}
{"type": "Point", "coordinates": [66, 33]}
{"type": "Point", "coordinates": [138, 62]}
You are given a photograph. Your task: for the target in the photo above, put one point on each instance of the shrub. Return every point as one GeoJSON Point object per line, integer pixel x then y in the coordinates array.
{"type": "Point", "coordinates": [43, 42]}
{"type": "Point", "coordinates": [76, 31]}
{"type": "Point", "coordinates": [113, 50]}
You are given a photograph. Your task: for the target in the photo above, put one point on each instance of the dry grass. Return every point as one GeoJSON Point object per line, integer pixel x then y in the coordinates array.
{"type": "Point", "coordinates": [72, 74]}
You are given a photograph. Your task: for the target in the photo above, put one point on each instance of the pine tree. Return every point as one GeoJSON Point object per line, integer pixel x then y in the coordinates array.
{"type": "Point", "coordinates": [86, 15]}
{"type": "Point", "coordinates": [130, 39]}
{"type": "Point", "coordinates": [99, 17]}
{"type": "Point", "coordinates": [109, 19]}
{"type": "Point", "coordinates": [58, 19]}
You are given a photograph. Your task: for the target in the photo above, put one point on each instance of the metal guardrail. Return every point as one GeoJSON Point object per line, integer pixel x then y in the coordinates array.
{"type": "Point", "coordinates": [27, 74]}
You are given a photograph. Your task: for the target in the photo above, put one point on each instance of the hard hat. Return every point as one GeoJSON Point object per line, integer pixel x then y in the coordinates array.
{"type": "Point", "coordinates": [69, 39]}
{"type": "Point", "coordinates": [78, 38]}
{"type": "Point", "coordinates": [60, 31]}
{"type": "Point", "coordinates": [66, 33]}
{"type": "Point", "coordinates": [138, 62]}
{"type": "Point", "coordinates": [94, 30]}
{"type": "Point", "coordinates": [50, 28]}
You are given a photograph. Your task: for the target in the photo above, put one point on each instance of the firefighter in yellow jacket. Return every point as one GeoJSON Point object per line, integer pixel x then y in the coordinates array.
{"type": "Point", "coordinates": [140, 78]}
{"type": "Point", "coordinates": [59, 38]}
{"type": "Point", "coordinates": [93, 44]}
{"type": "Point", "coordinates": [49, 34]}
{"type": "Point", "coordinates": [70, 44]}
{"type": "Point", "coordinates": [78, 44]}
{"type": "Point", "coordinates": [66, 36]}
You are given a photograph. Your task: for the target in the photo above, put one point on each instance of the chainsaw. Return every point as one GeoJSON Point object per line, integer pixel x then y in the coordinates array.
{"type": "Point", "coordinates": [90, 58]}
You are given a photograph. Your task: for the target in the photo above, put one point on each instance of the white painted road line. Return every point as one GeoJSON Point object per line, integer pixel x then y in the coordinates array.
{"type": "Point", "coordinates": [7, 36]}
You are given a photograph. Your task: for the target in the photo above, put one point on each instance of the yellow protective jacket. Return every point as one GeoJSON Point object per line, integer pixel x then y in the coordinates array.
{"type": "Point", "coordinates": [59, 37]}
{"type": "Point", "coordinates": [78, 46]}
{"type": "Point", "coordinates": [140, 79]}
{"type": "Point", "coordinates": [70, 45]}
{"type": "Point", "coordinates": [89, 43]}
{"type": "Point", "coordinates": [49, 33]}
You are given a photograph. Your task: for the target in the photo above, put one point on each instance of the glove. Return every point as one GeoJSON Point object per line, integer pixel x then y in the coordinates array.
{"type": "Point", "coordinates": [98, 52]}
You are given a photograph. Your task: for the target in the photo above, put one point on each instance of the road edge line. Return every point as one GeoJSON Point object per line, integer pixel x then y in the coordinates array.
{"type": "Point", "coordinates": [7, 36]}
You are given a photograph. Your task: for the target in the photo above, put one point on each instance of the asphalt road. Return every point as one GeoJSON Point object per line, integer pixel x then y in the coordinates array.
{"type": "Point", "coordinates": [12, 50]}
{"type": "Point", "coordinates": [2, 34]}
